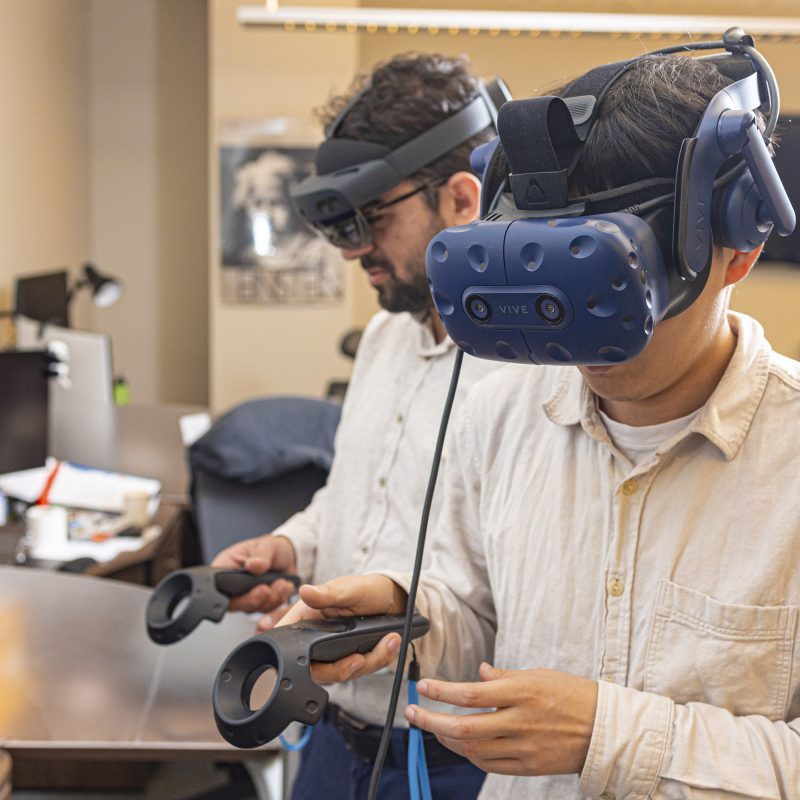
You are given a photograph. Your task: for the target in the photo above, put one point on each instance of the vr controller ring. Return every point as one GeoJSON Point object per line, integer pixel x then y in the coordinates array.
{"type": "Point", "coordinates": [206, 602]}
{"type": "Point", "coordinates": [289, 650]}
{"type": "Point", "coordinates": [208, 591]}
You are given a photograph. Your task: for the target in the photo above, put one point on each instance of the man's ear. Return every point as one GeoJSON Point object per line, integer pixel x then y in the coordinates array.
{"type": "Point", "coordinates": [740, 264]}
{"type": "Point", "coordinates": [460, 198]}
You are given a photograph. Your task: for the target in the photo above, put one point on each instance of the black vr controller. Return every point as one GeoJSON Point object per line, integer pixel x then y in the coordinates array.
{"type": "Point", "coordinates": [207, 592]}
{"type": "Point", "coordinates": [289, 651]}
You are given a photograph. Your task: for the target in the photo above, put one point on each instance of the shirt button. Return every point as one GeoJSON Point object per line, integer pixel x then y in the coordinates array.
{"type": "Point", "coordinates": [365, 550]}
{"type": "Point", "coordinates": [607, 678]}
{"type": "Point", "coordinates": [616, 587]}
{"type": "Point", "coordinates": [382, 483]}
{"type": "Point", "coordinates": [629, 487]}
{"type": "Point", "coordinates": [400, 418]}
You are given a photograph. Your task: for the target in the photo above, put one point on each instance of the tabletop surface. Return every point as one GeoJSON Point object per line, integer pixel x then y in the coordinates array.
{"type": "Point", "coordinates": [77, 670]}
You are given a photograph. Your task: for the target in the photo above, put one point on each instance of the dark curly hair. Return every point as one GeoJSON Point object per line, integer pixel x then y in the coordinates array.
{"type": "Point", "coordinates": [405, 97]}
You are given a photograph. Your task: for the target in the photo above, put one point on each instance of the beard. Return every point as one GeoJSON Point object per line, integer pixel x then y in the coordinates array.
{"type": "Point", "coordinates": [413, 293]}
{"type": "Point", "coordinates": [396, 294]}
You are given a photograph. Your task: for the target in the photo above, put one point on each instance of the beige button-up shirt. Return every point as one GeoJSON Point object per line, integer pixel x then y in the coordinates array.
{"type": "Point", "coordinates": [674, 583]}
{"type": "Point", "coordinates": [367, 516]}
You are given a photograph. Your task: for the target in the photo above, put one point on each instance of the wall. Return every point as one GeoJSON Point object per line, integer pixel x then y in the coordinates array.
{"type": "Point", "coordinates": [149, 191]}
{"type": "Point", "coordinates": [259, 350]}
{"type": "Point", "coordinates": [103, 157]}
{"type": "Point", "coordinates": [44, 152]}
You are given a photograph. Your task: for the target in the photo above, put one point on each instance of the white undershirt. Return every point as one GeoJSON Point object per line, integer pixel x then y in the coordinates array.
{"type": "Point", "coordinates": [639, 443]}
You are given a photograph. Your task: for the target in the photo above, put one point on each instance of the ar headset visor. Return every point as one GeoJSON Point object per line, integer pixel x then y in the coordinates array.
{"type": "Point", "coordinates": [547, 278]}
{"type": "Point", "coordinates": [352, 174]}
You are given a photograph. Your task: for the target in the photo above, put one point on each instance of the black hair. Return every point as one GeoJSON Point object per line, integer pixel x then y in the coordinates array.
{"type": "Point", "coordinates": [642, 122]}
{"type": "Point", "coordinates": [405, 97]}
{"type": "Point", "coordinates": [643, 119]}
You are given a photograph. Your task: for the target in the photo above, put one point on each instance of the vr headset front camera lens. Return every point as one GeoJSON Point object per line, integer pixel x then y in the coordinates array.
{"type": "Point", "coordinates": [550, 309]}
{"type": "Point", "coordinates": [478, 308]}
{"type": "Point", "coordinates": [349, 233]}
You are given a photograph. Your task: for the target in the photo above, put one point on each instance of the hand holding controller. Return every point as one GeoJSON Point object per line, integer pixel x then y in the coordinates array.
{"type": "Point", "coordinates": [267, 553]}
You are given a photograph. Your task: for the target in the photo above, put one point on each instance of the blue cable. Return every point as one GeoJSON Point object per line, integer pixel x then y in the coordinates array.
{"type": "Point", "coordinates": [300, 743]}
{"type": "Point", "coordinates": [418, 778]}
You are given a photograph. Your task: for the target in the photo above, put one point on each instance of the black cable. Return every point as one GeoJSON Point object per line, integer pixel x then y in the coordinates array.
{"type": "Point", "coordinates": [412, 591]}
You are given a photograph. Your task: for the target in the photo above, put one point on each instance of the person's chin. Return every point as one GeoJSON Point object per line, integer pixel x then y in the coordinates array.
{"type": "Point", "coordinates": [600, 375]}
{"type": "Point", "coordinates": [597, 369]}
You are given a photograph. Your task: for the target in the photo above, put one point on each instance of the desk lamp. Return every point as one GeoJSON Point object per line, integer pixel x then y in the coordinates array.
{"type": "Point", "coordinates": [45, 297]}
{"type": "Point", "coordinates": [106, 290]}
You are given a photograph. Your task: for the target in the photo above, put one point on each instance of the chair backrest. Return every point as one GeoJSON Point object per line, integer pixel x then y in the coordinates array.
{"type": "Point", "coordinates": [259, 464]}
{"type": "Point", "coordinates": [227, 512]}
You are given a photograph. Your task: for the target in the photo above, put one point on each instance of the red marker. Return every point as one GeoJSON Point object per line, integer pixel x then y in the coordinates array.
{"type": "Point", "coordinates": [44, 496]}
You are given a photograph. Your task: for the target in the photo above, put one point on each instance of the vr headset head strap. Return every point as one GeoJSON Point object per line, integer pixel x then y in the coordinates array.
{"type": "Point", "coordinates": [351, 173]}
{"type": "Point", "coordinates": [439, 140]}
{"type": "Point", "coordinates": [539, 140]}
{"type": "Point", "coordinates": [542, 139]}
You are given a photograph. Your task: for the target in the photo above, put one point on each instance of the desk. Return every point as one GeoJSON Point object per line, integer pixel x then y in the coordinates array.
{"type": "Point", "coordinates": [80, 680]}
{"type": "Point", "coordinates": [146, 442]}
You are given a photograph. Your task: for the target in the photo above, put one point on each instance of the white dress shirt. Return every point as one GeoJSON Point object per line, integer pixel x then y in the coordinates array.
{"type": "Point", "coordinates": [367, 516]}
{"type": "Point", "coordinates": [675, 582]}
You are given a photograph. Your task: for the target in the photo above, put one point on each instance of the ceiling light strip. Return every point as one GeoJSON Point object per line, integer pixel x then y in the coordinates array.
{"type": "Point", "coordinates": [372, 20]}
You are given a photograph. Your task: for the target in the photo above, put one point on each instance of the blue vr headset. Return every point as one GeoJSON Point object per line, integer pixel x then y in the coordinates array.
{"type": "Point", "coordinates": [550, 279]}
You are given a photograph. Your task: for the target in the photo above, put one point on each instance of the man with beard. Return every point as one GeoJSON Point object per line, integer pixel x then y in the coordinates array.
{"type": "Point", "coordinates": [367, 516]}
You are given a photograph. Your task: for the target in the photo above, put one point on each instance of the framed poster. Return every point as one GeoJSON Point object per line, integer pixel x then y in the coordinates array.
{"type": "Point", "coordinates": [268, 254]}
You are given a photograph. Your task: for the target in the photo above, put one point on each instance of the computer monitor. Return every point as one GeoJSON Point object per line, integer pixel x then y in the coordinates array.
{"type": "Point", "coordinates": [44, 297]}
{"type": "Point", "coordinates": [23, 409]}
{"type": "Point", "coordinates": [82, 419]}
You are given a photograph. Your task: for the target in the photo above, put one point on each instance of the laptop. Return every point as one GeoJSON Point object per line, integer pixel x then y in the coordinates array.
{"type": "Point", "coordinates": [81, 425]}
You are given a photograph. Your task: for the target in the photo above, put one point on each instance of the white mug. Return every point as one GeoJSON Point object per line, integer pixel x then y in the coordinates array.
{"type": "Point", "coordinates": [46, 526]}
{"type": "Point", "coordinates": [136, 505]}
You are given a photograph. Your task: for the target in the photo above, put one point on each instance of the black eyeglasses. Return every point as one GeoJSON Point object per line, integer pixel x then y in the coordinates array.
{"type": "Point", "coordinates": [371, 211]}
{"type": "Point", "coordinates": [354, 231]}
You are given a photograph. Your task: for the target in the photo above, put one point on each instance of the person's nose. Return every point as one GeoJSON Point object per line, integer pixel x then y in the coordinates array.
{"type": "Point", "coordinates": [350, 254]}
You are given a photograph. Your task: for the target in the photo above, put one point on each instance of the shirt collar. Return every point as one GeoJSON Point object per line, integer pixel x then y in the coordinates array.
{"type": "Point", "coordinates": [427, 346]}
{"type": "Point", "coordinates": [727, 415]}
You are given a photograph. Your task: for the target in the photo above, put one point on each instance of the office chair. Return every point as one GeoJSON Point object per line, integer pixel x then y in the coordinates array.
{"type": "Point", "coordinates": [257, 465]}
{"type": "Point", "coordinates": [348, 346]}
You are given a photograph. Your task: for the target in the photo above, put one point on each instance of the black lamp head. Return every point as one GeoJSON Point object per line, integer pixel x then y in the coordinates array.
{"type": "Point", "coordinates": [105, 289]}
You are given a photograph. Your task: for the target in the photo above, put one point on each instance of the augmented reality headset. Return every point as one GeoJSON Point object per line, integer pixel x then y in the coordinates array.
{"type": "Point", "coordinates": [352, 174]}
{"type": "Point", "coordinates": [552, 279]}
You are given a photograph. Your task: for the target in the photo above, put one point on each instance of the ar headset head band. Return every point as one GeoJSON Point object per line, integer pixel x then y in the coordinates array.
{"type": "Point", "coordinates": [351, 174]}
{"type": "Point", "coordinates": [549, 278]}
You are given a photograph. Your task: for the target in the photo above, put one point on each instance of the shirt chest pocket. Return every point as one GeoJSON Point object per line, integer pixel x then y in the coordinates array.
{"type": "Point", "coordinates": [732, 656]}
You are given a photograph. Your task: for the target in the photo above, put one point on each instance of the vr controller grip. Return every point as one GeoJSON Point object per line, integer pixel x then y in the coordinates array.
{"type": "Point", "coordinates": [233, 583]}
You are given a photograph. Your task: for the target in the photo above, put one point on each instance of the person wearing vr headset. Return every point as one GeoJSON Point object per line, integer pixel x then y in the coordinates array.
{"type": "Point", "coordinates": [620, 539]}
{"type": "Point", "coordinates": [392, 172]}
